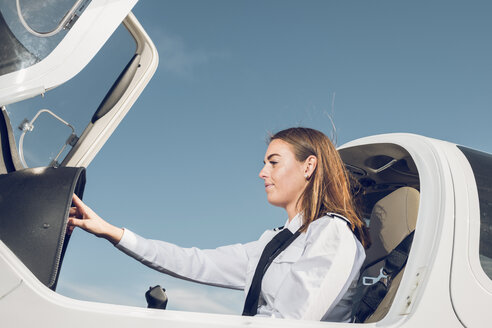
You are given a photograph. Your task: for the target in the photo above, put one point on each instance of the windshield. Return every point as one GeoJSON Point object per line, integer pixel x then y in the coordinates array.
{"type": "Point", "coordinates": [482, 169]}
{"type": "Point", "coordinates": [31, 29]}
{"type": "Point", "coordinates": [45, 127]}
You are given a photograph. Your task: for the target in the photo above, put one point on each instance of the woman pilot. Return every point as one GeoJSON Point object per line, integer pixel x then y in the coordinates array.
{"type": "Point", "coordinates": [306, 270]}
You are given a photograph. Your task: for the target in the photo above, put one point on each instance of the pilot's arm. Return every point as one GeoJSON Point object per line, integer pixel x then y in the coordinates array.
{"type": "Point", "coordinates": [224, 266]}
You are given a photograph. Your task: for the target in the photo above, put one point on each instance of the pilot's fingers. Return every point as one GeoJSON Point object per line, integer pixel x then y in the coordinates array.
{"type": "Point", "coordinates": [84, 211]}
{"type": "Point", "coordinates": [74, 222]}
{"type": "Point", "coordinates": [74, 212]}
{"type": "Point", "coordinates": [77, 202]}
{"type": "Point", "coordinates": [70, 229]}
{"type": "Point", "coordinates": [87, 225]}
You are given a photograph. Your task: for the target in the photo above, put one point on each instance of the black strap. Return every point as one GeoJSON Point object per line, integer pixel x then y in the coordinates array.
{"type": "Point", "coordinates": [397, 259]}
{"type": "Point", "coordinates": [278, 243]}
{"type": "Point", "coordinates": [394, 263]}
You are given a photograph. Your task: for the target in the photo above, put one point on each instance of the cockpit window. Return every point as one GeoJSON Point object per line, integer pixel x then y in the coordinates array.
{"type": "Point", "coordinates": [31, 29]}
{"type": "Point", "coordinates": [45, 127]}
{"type": "Point", "coordinates": [481, 164]}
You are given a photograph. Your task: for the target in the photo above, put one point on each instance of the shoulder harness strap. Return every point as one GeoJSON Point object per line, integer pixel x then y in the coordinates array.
{"type": "Point", "coordinates": [379, 286]}
{"type": "Point", "coordinates": [279, 243]}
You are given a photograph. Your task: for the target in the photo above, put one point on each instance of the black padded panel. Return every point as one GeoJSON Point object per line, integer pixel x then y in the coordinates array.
{"type": "Point", "coordinates": [34, 205]}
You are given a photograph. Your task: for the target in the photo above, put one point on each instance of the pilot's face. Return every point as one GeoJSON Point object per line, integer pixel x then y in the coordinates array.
{"type": "Point", "coordinates": [283, 175]}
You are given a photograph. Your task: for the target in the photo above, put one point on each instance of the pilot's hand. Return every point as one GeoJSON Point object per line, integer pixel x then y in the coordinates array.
{"type": "Point", "coordinates": [84, 217]}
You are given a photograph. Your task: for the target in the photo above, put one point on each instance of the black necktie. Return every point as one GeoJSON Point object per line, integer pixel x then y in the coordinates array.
{"type": "Point", "coordinates": [281, 240]}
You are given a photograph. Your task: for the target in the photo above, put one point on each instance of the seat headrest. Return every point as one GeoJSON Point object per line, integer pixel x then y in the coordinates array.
{"type": "Point", "coordinates": [392, 219]}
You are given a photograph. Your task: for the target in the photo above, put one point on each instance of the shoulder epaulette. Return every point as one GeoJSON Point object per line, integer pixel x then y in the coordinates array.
{"type": "Point", "coordinates": [339, 216]}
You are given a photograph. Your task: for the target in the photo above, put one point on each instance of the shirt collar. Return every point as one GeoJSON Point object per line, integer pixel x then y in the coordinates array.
{"type": "Point", "coordinates": [294, 224]}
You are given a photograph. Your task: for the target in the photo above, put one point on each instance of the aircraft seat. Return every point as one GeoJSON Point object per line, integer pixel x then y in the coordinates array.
{"type": "Point", "coordinates": [392, 219]}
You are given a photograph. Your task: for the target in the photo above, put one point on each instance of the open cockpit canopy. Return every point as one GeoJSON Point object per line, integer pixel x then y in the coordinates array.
{"type": "Point", "coordinates": [98, 46]}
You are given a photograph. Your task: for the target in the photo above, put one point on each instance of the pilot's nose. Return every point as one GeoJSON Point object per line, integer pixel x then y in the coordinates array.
{"type": "Point", "coordinates": [263, 173]}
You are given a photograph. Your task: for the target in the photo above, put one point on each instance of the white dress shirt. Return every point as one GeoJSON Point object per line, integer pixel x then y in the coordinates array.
{"type": "Point", "coordinates": [313, 278]}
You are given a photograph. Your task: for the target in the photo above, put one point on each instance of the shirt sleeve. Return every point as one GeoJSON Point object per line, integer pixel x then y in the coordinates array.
{"type": "Point", "coordinates": [224, 266]}
{"type": "Point", "coordinates": [322, 275]}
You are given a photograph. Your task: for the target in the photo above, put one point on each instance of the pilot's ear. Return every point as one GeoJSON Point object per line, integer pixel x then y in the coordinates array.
{"type": "Point", "coordinates": [310, 165]}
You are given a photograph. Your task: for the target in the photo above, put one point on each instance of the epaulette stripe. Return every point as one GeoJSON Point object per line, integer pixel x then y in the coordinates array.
{"type": "Point", "coordinates": [339, 216]}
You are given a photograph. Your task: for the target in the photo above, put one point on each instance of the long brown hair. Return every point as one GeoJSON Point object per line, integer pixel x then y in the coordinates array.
{"type": "Point", "coordinates": [328, 189]}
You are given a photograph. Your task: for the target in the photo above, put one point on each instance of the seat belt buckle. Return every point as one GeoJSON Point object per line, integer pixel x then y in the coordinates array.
{"type": "Point", "coordinates": [369, 281]}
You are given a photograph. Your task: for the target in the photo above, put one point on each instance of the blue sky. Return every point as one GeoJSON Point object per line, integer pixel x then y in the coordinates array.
{"type": "Point", "coordinates": [183, 165]}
